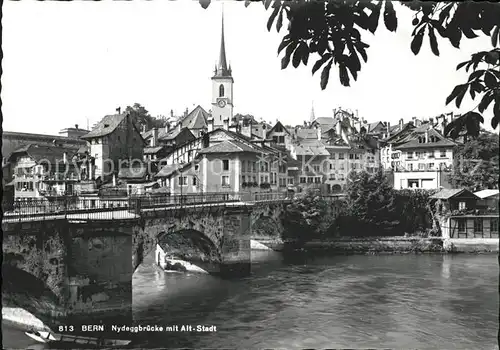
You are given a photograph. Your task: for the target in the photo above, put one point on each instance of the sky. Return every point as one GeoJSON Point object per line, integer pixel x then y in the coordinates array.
{"type": "Point", "coordinates": [68, 63]}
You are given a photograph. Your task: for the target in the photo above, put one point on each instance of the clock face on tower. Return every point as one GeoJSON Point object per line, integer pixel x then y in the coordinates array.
{"type": "Point", "coordinates": [221, 103]}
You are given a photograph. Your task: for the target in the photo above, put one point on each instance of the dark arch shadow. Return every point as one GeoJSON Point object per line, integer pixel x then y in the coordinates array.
{"type": "Point", "coordinates": [23, 290]}
{"type": "Point", "coordinates": [192, 246]}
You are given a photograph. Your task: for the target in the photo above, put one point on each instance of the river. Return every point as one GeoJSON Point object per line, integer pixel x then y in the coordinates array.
{"type": "Point", "coordinates": [358, 301]}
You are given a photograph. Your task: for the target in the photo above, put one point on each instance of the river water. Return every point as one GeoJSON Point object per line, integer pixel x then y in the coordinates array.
{"type": "Point", "coordinates": [379, 301]}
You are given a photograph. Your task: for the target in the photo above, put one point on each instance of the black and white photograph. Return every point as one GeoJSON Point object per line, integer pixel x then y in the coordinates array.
{"type": "Point", "coordinates": [272, 174]}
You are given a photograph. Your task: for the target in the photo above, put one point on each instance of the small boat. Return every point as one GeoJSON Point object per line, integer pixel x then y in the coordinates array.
{"type": "Point", "coordinates": [41, 336]}
{"type": "Point", "coordinates": [69, 339]}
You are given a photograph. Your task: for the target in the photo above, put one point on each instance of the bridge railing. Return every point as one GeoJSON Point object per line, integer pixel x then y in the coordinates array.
{"type": "Point", "coordinates": [138, 203]}
{"type": "Point", "coordinates": [66, 208]}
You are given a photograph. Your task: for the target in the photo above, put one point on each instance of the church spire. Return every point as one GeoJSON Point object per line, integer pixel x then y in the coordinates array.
{"type": "Point", "coordinates": [313, 117]}
{"type": "Point", "coordinates": [222, 69]}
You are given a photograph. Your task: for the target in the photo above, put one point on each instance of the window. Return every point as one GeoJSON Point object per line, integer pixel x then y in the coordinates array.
{"type": "Point", "coordinates": [290, 180]}
{"type": "Point", "coordinates": [332, 156]}
{"type": "Point", "coordinates": [302, 180]}
{"type": "Point", "coordinates": [194, 180]}
{"type": "Point", "coordinates": [431, 153]}
{"type": "Point", "coordinates": [442, 154]}
{"type": "Point", "coordinates": [225, 181]}
{"type": "Point", "coordinates": [225, 165]}
{"type": "Point", "coordinates": [243, 166]}
{"type": "Point", "coordinates": [351, 156]}
{"type": "Point", "coordinates": [409, 155]}
{"type": "Point", "coordinates": [317, 180]}
{"type": "Point", "coordinates": [342, 166]}
{"type": "Point", "coordinates": [341, 177]}
{"type": "Point", "coordinates": [461, 225]}
{"type": "Point", "coordinates": [221, 90]}
{"type": "Point", "coordinates": [182, 180]}
{"type": "Point", "coordinates": [275, 139]}
{"type": "Point", "coordinates": [431, 166]}
{"type": "Point", "coordinates": [410, 167]}
{"type": "Point", "coordinates": [478, 225]}
{"type": "Point", "coordinates": [421, 166]}
{"type": "Point", "coordinates": [357, 156]}
{"type": "Point", "coordinates": [316, 168]}
{"type": "Point", "coordinates": [332, 176]}
{"type": "Point", "coordinates": [196, 167]}
{"type": "Point", "coordinates": [310, 180]}
{"type": "Point", "coordinates": [281, 139]}
{"type": "Point", "coordinates": [243, 178]}
{"type": "Point", "coordinates": [494, 226]}
{"type": "Point", "coordinates": [461, 206]}
{"type": "Point", "coordinates": [332, 166]}
{"type": "Point", "coordinates": [341, 156]}
{"type": "Point", "coordinates": [261, 179]}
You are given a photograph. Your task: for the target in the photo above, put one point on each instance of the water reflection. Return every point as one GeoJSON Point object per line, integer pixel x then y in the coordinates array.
{"type": "Point", "coordinates": [408, 301]}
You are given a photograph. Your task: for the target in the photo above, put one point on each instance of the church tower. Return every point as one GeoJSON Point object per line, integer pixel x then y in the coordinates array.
{"type": "Point", "coordinates": [222, 89]}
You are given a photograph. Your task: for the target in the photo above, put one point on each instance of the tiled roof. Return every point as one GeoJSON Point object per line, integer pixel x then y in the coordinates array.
{"type": "Point", "coordinates": [40, 153]}
{"type": "Point", "coordinates": [278, 123]}
{"type": "Point", "coordinates": [411, 141]}
{"type": "Point", "coordinates": [172, 134]}
{"type": "Point", "coordinates": [311, 149]}
{"type": "Point", "coordinates": [162, 132]}
{"type": "Point", "coordinates": [324, 121]}
{"type": "Point", "coordinates": [307, 134]}
{"type": "Point", "coordinates": [106, 126]}
{"type": "Point", "coordinates": [450, 193]}
{"type": "Point", "coordinates": [486, 193]}
{"type": "Point", "coordinates": [167, 170]}
{"type": "Point", "coordinates": [229, 146]}
{"type": "Point", "coordinates": [197, 119]}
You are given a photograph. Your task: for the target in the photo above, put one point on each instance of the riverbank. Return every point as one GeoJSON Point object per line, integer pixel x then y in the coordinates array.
{"type": "Point", "coordinates": [388, 245]}
{"type": "Point", "coordinates": [20, 318]}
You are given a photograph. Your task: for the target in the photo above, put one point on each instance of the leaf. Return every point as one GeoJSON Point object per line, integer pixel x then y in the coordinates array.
{"type": "Point", "coordinates": [288, 53]}
{"type": "Point", "coordinates": [272, 17]}
{"type": "Point", "coordinates": [374, 18]}
{"type": "Point", "coordinates": [454, 35]}
{"type": "Point", "coordinates": [416, 43]}
{"type": "Point", "coordinates": [460, 65]}
{"type": "Point", "coordinates": [494, 121]}
{"type": "Point", "coordinates": [248, 2]}
{"type": "Point", "coordinates": [469, 33]}
{"type": "Point", "coordinates": [279, 22]}
{"type": "Point", "coordinates": [343, 75]}
{"type": "Point", "coordinates": [434, 44]}
{"type": "Point", "coordinates": [284, 43]}
{"type": "Point", "coordinates": [390, 19]}
{"type": "Point", "coordinates": [297, 56]}
{"type": "Point", "coordinates": [461, 95]}
{"type": "Point", "coordinates": [204, 3]}
{"type": "Point", "coordinates": [325, 74]}
{"type": "Point", "coordinates": [305, 54]}
{"type": "Point", "coordinates": [490, 80]}
{"type": "Point", "coordinates": [494, 36]}
{"type": "Point", "coordinates": [485, 102]}
{"type": "Point", "coordinates": [455, 93]}
{"type": "Point", "coordinates": [267, 3]}
{"type": "Point", "coordinates": [320, 62]}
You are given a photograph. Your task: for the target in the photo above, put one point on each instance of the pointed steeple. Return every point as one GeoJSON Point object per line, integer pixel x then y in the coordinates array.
{"type": "Point", "coordinates": [313, 117]}
{"type": "Point", "coordinates": [222, 69]}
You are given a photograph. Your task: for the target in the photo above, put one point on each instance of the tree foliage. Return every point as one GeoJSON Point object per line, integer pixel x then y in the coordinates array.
{"type": "Point", "coordinates": [476, 163]}
{"type": "Point", "coordinates": [305, 217]}
{"type": "Point", "coordinates": [141, 117]}
{"type": "Point", "coordinates": [333, 31]}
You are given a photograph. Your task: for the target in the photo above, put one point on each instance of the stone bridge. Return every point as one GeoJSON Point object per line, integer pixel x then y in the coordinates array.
{"type": "Point", "coordinates": [63, 269]}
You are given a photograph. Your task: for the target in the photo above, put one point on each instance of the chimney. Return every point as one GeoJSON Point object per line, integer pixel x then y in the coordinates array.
{"type": "Point", "coordinates": [318, 132]}
{"type": "Point", "coordinates": [401, 124]}
{"type": "Point", "coordinates": [226, 124]}
{"type": "Point", "coordinates": [210, 124]}
{"type": "Point", "coordinates": [167, 127]}
{"type": "Point", "coordinates": [119, 110]}
{"type": "Point", "coordinates": [76, 126]}
{"type": "Point", "coordinates": [426, 136]}
{"type": "Point", "coordinates": [388, 128]}
{"type": "Point", "coordinates": [65, 158]}
{"type": "Point", "coordinates": [154, 136]}
{"type": "Point", "coordinates": [418, 122]}
{"type": "Point", "coordinates": [172, 113]}
{"type": "Point", "coordinates": [186, 112]}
